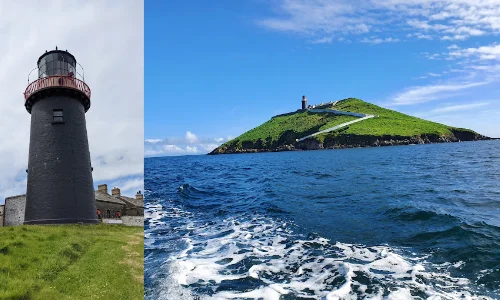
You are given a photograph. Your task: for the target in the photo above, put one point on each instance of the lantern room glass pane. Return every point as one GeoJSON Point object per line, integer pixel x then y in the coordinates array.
{"type": "Point", "coordinates": [50, 67]}
{"type": "Point", "coordinates": [59, 63]}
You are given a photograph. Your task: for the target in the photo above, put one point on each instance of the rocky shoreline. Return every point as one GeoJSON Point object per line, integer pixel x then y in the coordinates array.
{"type": "Point", "coordinates": [359, 142]}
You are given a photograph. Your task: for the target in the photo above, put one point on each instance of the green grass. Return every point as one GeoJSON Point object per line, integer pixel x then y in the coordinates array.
{"type": "Point", "coordinates": [388, 122]}
{"type": "Point", "coordinates": [71, 262]}
{"type": "Point", "coordinates": [285, 129]}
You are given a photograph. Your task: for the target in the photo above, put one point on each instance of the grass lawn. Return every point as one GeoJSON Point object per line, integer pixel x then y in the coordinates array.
{"type": "Point", "coordinates": [71, 262]}
{"type": "Point", "coordinates": [291, 127]}
{"type": "Point", "coordinates": [388, 122]}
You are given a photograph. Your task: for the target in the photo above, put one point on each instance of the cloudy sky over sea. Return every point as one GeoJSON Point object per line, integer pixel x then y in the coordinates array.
{"type": "Point", "coordinates": [231, 66]}
{"type": "Point", "coordinates": [106, 37]}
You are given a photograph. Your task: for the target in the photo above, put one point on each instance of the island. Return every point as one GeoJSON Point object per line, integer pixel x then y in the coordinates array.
{"type": "Point", "coordinates": [348, 123]}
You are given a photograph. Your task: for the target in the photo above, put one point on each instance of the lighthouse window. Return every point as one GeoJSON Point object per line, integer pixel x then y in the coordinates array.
{"type": "Point", "coordinates": [58, 116]}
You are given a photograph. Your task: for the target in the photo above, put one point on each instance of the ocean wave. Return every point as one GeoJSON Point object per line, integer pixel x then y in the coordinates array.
{"type": "Point", "coordinates": [258, 257]}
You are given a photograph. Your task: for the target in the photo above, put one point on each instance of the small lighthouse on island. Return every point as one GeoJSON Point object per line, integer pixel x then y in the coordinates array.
{"type": "Point", "coordinates": [304, 102]}
{"type": "Point", "coordinates": [60, 186]}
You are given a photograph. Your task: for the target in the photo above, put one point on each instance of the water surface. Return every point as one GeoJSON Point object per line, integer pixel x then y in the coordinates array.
{"type": "Point", "coordinates": [391, 222]}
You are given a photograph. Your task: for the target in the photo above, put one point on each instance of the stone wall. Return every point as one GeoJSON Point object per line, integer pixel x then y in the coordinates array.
{"type": "Point", "coordinates": [1, 214]}
{"type": "Point", "coordinates": [112, 221]}
{"type": "Point", "coordinates": [133, 221]}
{"type": "Point", "coordinates": [126, 220]}
{"type": "Point", "coordinates": [134, 211]}
{"type": "Point", "coordinates": [14, 210]}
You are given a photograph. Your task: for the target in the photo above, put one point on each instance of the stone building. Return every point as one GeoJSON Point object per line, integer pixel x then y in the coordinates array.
{"type": "Point", "coordinates": [12, 213]}
{"type": "Point", "coordinates": [2, 207]}
{"type": "Point", "coordinates": [14, 210]}
{"type": "Point", "coordinates": [134, 206]}
{"type": "Point", "coordinates": [109, 205]}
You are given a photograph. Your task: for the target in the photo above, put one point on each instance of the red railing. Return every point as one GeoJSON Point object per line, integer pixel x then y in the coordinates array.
{"type": "Point", "coordinates": [56, 81]}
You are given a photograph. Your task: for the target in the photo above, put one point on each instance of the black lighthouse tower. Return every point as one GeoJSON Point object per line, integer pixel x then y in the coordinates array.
{"type": "Point", "coordinates": [60, 187]}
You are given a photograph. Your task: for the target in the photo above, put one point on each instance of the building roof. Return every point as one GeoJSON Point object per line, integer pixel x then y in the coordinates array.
{"type": "Point", "coordinates": [100, 196]}
{"type": "Point", "coordinates": [133, 201]}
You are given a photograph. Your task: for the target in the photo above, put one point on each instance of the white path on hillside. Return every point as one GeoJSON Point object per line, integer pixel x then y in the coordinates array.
{"type": "Point", "coordinates": [363, 117]}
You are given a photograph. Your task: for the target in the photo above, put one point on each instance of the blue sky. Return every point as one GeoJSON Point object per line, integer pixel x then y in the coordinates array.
{"type": "Point", "coordinates": [215, 69]}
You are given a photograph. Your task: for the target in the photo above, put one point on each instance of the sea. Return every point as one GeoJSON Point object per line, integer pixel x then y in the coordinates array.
{"type": "Point", "coordinates": [400, 222]}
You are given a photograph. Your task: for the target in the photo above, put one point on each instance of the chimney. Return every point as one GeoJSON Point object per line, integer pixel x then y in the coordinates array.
{"type": "Point", "coordinates": [139, 196]}
{"type": "Point", "coordinates": [115, 192]}
{"type": "Point", "coordinates": [103, 188]}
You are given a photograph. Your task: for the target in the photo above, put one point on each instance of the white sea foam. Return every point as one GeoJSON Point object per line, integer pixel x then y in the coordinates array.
{"type": "Point", "coordinates": [268, 252]}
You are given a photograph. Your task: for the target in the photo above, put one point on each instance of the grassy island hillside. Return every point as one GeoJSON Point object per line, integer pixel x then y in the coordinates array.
{"type": "Point", "coordinates": [388, 127]}
{"type": "Point", "coordinates": [71, 262]}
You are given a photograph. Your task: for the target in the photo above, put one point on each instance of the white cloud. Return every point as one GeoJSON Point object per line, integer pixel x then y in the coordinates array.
{"type": "Point", "coordinates": [459, 107]}
{"type": "Point", "coordinates": [448, 19]}
{"type": "Point", "coordinates": [209, 147]}
{"type": "Point", "coordinates": [379, 40]}
{"type": "Point", "coordinates": [188, 145]}
{"type": "Point", "coordinates": [191, 138]}
{"type": "Point", "coordinates": [419, 24]}
{"type": "Point", "coordinates": [423, 36]}
{"type": "Point", "coordinates": [316, 17]}
{"type": "Point", "coordinates": [490, 52]}
{"type": "Point", "coordinates": [433, 56]}
{"type": "Point", "coordinates": [325, 40]}
{"type": "Point", "coordinates": [468, 31]}
{"type": "Point", "coordinates": [153, 140]}
{"type": "Point", "coordinates": [102, 35]}
{"type": "Point", "coordinates": [441, 16]}
{"type": "Point", "coordinates": [421, 94]}
{"type": "Point", "coordinates": [477, 66]}
{"type": "Point", "coordinates": [456, 37]}
{"type": "Point", "coordinates": [190, 149]}
{"type": "Point", "coordinates": [128, 187]}
{"type": "Point", "coordinates": [434, 75]}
